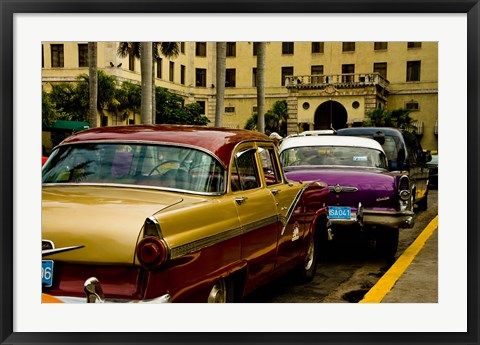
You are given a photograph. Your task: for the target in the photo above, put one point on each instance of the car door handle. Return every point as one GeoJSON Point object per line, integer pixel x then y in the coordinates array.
{"type": "Point", "coordinates": [275, 191]}
{"type": "Point", "coordinates": [241, 200]}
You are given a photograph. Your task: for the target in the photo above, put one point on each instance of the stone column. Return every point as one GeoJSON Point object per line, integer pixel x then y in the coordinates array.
{"type": "Point", "coordinates": [292, 110]}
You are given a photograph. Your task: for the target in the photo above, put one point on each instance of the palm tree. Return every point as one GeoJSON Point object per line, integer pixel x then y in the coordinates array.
{"type": "Point", "coordinates": [168, 49]}
{"type": "Point", "coordinates": [261, 47]}
{"type": "Point", "coordinates": [220, 81]}
{"type": "Point", "coordinates": [147, 82]}
{"type": "Point", "coordinates": [93, 83]}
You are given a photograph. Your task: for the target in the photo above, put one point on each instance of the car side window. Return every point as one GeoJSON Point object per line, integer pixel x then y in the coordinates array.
{"type": "Point", "coordinates": [269, 165]}
{"type": "Point", "coordinates": [244, 171]}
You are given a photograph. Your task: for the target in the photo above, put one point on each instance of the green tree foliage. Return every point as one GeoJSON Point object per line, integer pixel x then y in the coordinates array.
{"type": "Point", "coordinates": [50, 111]}
{"type": "Point", "coordinates": [170, 110]}
{"type": "Point", "coordinates": [275, 119]}
{"type": "Point", "coordinates": [69, 101]}
{"type": "Point", "coordinates": [397, 118]}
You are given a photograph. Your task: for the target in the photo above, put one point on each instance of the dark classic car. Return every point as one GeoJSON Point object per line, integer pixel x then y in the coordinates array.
{"type": "Point", "coordinates": [404, 153]}
{"type": "Point", "coordinates": [433, 172]}
{"type": "Point", "coordinates": [364, 196]}
{"type": "Point", "coordinates": [175, 214]}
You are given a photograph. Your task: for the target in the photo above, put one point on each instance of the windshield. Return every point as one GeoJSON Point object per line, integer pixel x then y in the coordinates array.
{"type": "Point", "coordinates": [334, 156]}
{"type": "Point", "coordinates": [172, 167]}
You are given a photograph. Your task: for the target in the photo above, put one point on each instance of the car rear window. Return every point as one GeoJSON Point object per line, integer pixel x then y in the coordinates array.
{"type": "Point", "coordinates": [164, 166]}
{"type": "Point", "coordinates": [333, 156]}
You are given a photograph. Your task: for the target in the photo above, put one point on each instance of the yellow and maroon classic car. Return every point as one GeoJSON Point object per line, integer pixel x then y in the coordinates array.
{"type": "Point", "coordinates": [175, 214]}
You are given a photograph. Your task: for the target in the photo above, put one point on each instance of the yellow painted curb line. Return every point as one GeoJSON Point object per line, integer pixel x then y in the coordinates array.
{"type": "Point", "coordinates": [388, 280]}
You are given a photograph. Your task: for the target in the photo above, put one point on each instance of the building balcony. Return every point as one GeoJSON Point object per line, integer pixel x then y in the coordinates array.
{"type": "Point", "coordinates": [338, 81]}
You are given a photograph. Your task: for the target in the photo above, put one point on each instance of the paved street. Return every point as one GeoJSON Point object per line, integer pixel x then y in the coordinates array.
{"type": "Point", "coordinates": [350, 272]}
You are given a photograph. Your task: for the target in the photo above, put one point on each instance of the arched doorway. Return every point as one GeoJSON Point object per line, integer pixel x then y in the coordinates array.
{"type": "Point", "coordinates": [329, 115]}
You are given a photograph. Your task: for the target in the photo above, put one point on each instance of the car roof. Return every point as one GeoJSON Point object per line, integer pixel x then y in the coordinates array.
{"type": "Point", "coordinates": [219, 141]}
{"type": "Point", "coordinates": [314, 132]}
{"type": "Point", "coordinates": [330, 140]}
{"type": "Point", "coordinates": [369, 130]}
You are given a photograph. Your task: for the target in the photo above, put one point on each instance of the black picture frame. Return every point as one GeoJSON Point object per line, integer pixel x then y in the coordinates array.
{"type": "Point", "coordinates": [10, 7]}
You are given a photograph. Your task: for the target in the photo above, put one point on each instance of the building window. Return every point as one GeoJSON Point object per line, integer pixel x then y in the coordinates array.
{"type": "Point", "coordinates": [182, 74]}
{"type": "Point", "coordinates": [317, 74]}
{"type": "Point", "coordinates": [159, 68]}
{"type": "Point", "coordinates": [43, 57]}
{"type": "Point", "coordinates": [231, 49]}
{"type": "Point", "coordinates": [380, 45]}
{"type": "Point", "coordinates": [317, 47]}
{"type": "Point", "coordinates": [57, 55]}
{"type": "Point", "coordinates": [347, 73]}
{"type": "Point", "coordinates": [255, 48]}
{"type": "Point", "coordinates": [412, 105]}
{"type": "Point", "coordinates": [201, 49]}
{"type": "Point", "coordinates": [348, 46]}
{"type": "Point", "coordinates": [254, 77]}
{"type": "Point", "coordinates": [287, 47]}
{"type": "Point", "coordinates": [230, 77]}
{"type": "Point", "coordinates": [131, 62]}
{"type": "Point", "coordinates": [286, 71]}
{"type": "Point", "coordinates": [182, 47]}
{"type": "Point", "coordinates": [230, 109]}
{"type": "Point", "coordinates": [83, 55]}
{"type": "Point", "coordinates": [202, 107]}
{"type": "Point", "coordinates": [413, 70]}
{"type": "Point", "coordinates": [254, 109]}
{"type": "Point", "coordinates": [200, 77]}
{"type": "Point", "coordinates": [381, 68]}
{"type": "Point", "coordinates": [414, 45]}
{"type": "Point", "coordinates": [171, 71]}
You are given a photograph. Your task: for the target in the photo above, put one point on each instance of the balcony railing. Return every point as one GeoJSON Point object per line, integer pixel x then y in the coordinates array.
{"type": "Point", "coordinates": [319, 81]}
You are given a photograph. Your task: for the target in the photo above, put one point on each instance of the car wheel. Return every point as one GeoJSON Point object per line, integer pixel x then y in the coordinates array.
{"type": "Point", "coordinates": [222, 291]}
{"type": "Point", "coordinates": [387, 243]}
{"type": "Point", "coordinates": [307, 270]}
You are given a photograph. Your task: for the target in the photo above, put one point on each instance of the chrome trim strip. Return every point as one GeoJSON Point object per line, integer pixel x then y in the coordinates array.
{"type": "Point", "coordinates": [339, 189]}
{"type": "Point", "coordinates": [135, 186]}
{"type": "Point", "coordinates": [286, 219]}
{"type": "Point", "coordinates": [221, 237]}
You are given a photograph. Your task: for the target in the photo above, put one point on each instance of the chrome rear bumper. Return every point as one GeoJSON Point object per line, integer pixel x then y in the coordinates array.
{"type": "Point", "coordinates": [400, 219]}
{"type": "Point", "coordinates": [94, 294]}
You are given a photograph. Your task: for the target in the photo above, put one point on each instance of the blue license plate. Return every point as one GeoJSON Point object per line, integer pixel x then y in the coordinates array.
{"type": "Point", "coordinates": [47, 273]}
{"type": "Point", "coordinates": [335, 212]}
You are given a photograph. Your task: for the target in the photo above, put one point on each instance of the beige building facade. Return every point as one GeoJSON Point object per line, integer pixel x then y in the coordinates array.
{"type": "Point", "coordinates": [325, 84]}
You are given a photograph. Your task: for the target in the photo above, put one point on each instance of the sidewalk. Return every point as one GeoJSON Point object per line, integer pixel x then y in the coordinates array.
{"type": "Point", "coordinates": [413, 278]}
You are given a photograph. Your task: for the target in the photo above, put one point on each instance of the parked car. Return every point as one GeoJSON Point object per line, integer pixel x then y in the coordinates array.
{"type": "Point", "coordinates": [364, 196]}
{"type": "Point", "coordinates": [433, 172]}
{"type": "Point", "coordinates": [176, 213]}
{"type": "Point", "coordinates": [404, 153]}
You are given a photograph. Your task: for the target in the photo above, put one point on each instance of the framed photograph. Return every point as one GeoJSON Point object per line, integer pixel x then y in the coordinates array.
{"type": "Point", "coordinates": [452, 24]}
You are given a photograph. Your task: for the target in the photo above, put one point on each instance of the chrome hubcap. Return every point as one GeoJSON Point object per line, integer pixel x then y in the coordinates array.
{"type": "Point", "coordinates": [310, 255]}
{"type": "Point", "coordinates": [218, 294]}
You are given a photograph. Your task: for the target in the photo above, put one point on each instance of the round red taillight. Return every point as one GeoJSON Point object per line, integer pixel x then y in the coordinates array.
{"type": "Point", "coordinates": [152, 252]}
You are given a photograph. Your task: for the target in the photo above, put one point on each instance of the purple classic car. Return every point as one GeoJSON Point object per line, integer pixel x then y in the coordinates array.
{"type": "Point", "coordinates": [364, 195]}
